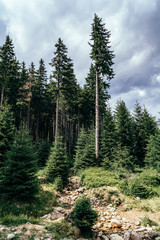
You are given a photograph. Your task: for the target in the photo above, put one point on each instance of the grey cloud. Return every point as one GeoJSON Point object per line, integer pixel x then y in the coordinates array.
{"type": "Point", "coordinates": [36, 25]}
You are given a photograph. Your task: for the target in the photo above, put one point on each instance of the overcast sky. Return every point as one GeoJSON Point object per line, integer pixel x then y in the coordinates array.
{"type": "Point", "coordinates": [35, 26]}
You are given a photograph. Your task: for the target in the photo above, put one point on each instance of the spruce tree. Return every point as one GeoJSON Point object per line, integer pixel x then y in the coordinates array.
{"type": "Point", "coordinates": [23, 93]}
{"type": "Point", "coordinates": [85, 151]}
{"type": "Point", "coordinates": [9, 76]}
{"type": "Point", "coordinates": [66, 103]}
{"type": "Point", "coordinates": [124, 127]}
{"type": "Point", "coordinates": [38, 100]}
{"type": "Point", "coordinates": [139, 134]}
{"type": "Point", "coordinates": [19, 179]}
{"type": "Point", "coordinates": [6, 132]}
{"type": "Point", "coordinates": [102, 57]}
{"type": "Point", "coordinates": [108, 140]}
{"type": "Point", "coordinates": [43, 153]}
{"type": "Point", "coordinates": [89, 98]}
{"type": "Point", "coordinates": [57, 165]}
{"type": "Point", "coordinates": [7, 57]}
{"type": "Point", "coordinates": [123, 159]}
{"type": "Point", "coordinates": [152, 158]}
{"type": "Point", "coordinates": [144, 127]}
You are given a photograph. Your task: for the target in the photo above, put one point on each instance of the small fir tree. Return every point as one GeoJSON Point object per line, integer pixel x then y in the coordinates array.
{"type": "Point", "coordinates": [124, 127]}
{"type": "Point", "coordinates": [108, 140]}
{"type": "Point", "coordinates": [19, 181]}
{"type": "Point", "coordinates": [43, 153]}
{"type": "Point", "coordinates": [83, 215]}
{"type": "Point", "coordinates": [152, 158]}
{"type": "Point", "coordinates": [85, 151]}
{"type": "Point", "coordinates": [123, 159]}
{"type": "Point", "coordinates": [144, 127]}
{"type": "Point", "coordinates": [57, 165]}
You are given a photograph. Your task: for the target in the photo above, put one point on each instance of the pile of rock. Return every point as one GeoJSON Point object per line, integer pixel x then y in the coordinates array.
{"type": "Point", "coordinates": [137, 234]}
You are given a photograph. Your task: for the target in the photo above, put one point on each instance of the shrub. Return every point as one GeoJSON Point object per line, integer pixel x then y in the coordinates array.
{"type": "Point", "coordinates": [136, 188]}
{"type": "Point", "coordinates": [150, 177]}
{"type": "Point", "coordinates": [58, 183]}
{"type": "Point", "coordinates": [83, 215]}
{"type": "Point", "coordinates": [96, 177]}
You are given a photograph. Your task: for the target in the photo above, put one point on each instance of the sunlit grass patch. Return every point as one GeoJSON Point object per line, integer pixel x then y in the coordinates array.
{"type": "Point", "coordinates": [96, 177]}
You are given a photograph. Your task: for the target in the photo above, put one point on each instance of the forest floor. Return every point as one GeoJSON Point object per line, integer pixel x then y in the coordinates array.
{"type": "Point", "coordinates": [115, 216]}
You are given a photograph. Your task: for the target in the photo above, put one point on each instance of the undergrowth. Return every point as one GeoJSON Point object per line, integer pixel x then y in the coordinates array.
{"type": "Point", "coordinates": [96, 177]}
{"type": "Point", "coordinates": [62, 229]}
{"type": "Point", "coordinates": [14, 213]}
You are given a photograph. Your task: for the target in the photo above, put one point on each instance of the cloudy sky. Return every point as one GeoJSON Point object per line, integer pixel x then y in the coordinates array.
{"type": "Point", "coordinates": [35, 26]}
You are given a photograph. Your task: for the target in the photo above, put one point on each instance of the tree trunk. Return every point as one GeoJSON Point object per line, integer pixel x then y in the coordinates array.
{"type": "Point", "coordinates": [37, 130]}
{"type": "Point", "coordinates": [28, 115]}
{"type": "Point", "coordinates": [2, 96]}
{"type": "Point", "coordinates": [97, 118]}
{"type": "Point", "coordinates": [57, 117]}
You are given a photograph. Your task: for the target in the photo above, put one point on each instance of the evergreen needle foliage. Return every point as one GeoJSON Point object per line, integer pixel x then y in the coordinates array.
{"type": "Point", "coordinates": [83, 215]}
{"type": "Point", "coordinates": [18, 179]}
{"type": "Point", "coordinates": [85, 151]}
{"type": "Point", "coordinates": [6, 132]}
{"type": "Point", "coordinates": [152, 158]}
{"type": "Point", "coordinates": [57, 165]}
{"type": "Point", "coordinates": [43, 153]}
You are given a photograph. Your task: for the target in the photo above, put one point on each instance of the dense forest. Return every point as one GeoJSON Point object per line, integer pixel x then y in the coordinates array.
{"type": "Point", "coordinates": [56, 124]}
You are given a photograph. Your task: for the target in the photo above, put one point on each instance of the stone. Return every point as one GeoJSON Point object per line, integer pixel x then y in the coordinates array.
{"type": "Point", "coordinates": [138, 198]}
{"type": "Point", "coordinates": [157, 238]}
{"type": "Point", "coordinates": [104, 237]}
{"type": "Point", "coordinates": [138, 223]}
{"type": "Point", "coordinates": [152, 234]}
{"type": "Point", "coordinates": [116, 223]}
{"type": "Point", "coordinates": [100, 234]}
{"type": "Point", "coordinates": [140, 229]}
{"type": "Point", "coordinates": [127, 236]}
{"type": "Point", "coordinates": [102, 219]}
{"type": "Point", "coordinates": [60, 209]}
{"type": "Point", "coordinates": [80, 190]}
{"type": "Point", "coordinates": [10, 236]}
{"type": "Point", "coordinates": [116, 237]}
{"type": "Point", "coordinates": [99, 225]}
{"type": "Point", "coordinates": [59, 220]}
{"type": "Point", "coordinates": [135, 236]}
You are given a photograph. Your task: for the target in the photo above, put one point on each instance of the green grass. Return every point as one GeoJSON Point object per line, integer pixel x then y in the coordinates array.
{"type": "Point", "coordinates": [97, 177]}
{"type": "Point", "coordinates": [62, 230]}
{"type": "Point", "coordinates": [144, 184]}
{"type": "Point", "coordinates": [42, 204]}
{"type": "Point", "coordinates": [146, 221]}
{"type": "Point", "coordinates": [11, 220]}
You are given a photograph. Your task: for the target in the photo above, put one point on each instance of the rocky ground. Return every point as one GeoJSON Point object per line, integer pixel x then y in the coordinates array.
{"type": "Point", "coordinates": [113, 223]}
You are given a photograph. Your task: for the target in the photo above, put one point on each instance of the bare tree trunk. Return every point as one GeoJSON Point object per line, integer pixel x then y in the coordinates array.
{"type": "Point", "coordinates": [97, 118]}
{"type": "Point", "coordinates": [28, 115]}
{"type": "Point", "coordinates": [57, 117]}
{"type": "Point", "coordinates": [37, 130]}
{"type": "Point", "coordinates": [2, 96]}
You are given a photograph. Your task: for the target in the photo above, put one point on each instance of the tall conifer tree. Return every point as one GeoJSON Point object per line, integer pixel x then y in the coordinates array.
{"type": "Point", "coordinates": [102, 57]}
